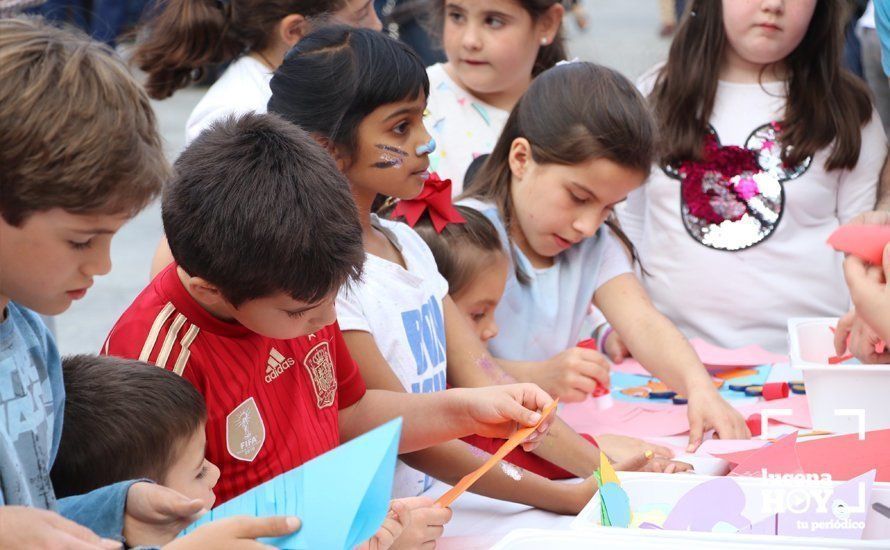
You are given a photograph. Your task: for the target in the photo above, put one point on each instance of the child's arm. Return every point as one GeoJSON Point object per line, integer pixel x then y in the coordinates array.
{"type": "Point", "coordinates": [449, 462]}
{"type": "Point", "coordinates": [470, 365]}
{"type": "Point", "coordinates": [433, 418]}
{"type": "Point", "coordinates": [571, 375]}
{"type": "Point", "coordinates": [657, 344]}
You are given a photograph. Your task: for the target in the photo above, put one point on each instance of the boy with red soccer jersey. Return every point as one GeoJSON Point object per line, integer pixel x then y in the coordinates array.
{"type": "Point", "coordinates": [255, 220]}
{"type": "Point", "coordinates": [278, 397]}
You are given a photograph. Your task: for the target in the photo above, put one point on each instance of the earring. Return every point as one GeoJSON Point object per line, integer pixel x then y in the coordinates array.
{"type": "Point", "coordinates": [544, 41]}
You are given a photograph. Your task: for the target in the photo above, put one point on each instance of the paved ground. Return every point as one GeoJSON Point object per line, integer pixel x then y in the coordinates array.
{"type": "Point", "coordinates": [622, 35]}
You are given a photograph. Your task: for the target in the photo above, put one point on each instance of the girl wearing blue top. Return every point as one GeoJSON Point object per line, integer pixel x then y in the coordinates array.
{"type": "Point", "coordinates": [579, 140]}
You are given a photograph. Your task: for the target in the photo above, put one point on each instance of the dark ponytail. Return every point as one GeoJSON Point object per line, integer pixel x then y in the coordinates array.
{"type": "Point", "coordinates": [182, 37]}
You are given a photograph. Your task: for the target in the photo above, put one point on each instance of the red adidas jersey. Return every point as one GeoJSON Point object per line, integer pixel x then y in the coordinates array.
{"type": "Point", "coordinates": [271, 404]}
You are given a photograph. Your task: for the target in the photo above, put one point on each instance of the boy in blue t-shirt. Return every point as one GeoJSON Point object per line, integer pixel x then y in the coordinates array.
{"type": "Point", "coordinates": [81, 155]}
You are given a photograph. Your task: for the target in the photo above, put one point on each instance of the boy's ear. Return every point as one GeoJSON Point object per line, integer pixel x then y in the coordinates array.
{"type": "Point", "coordinates": [292, 29]}
{"type": "Point", "coordinates": [205, 292]}
{"type": "Point", "coordinates": [520, 155]}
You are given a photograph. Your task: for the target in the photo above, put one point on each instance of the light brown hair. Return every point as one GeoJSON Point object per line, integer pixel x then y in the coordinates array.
{"type": "Point", "coordinates": [570, 114]}
{"type": "Point", "coordinates": [76, 129]}
{"type": "Point", "coordinates": [182, 37]}
{"type": "Point", "coordinates": [826, 106]}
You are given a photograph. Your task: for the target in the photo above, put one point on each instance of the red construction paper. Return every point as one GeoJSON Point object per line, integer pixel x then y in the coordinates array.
{"type": "Point", "coordinates": [778, 458]}
{"type": "Point", "coordinates": [863, 241]}
{"type": "Point", "coordinates": [845, 456]}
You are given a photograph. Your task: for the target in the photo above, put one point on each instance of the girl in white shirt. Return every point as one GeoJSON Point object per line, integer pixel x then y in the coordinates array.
{"type": "Point", "coordinates": [494, 49]}
{"type": "Point", "coordinates": [768, 145]}
{"type": "Point", "coordinates": [183, 37]}
{"type": "Point", "coordinates": [363, 95]}
{"type": "Point", "coordinates": [579, 140]}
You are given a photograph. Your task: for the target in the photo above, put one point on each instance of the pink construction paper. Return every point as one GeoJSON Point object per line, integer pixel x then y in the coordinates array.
{"type": "Point", "coordinates": [778, 458]}
{"type": "Point", "coordinates": [719, 500]}
{"type": "Point", "coordinates": [715, 358]}
{"type": "Point", "coordinates": [864, 241]}
{"type": "Point", "coordinates": [838, 515]}
{"type": "Point", "coordinates": [625, 418]}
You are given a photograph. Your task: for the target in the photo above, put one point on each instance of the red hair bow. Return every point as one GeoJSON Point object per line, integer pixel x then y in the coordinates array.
{"type": "Point", "coordinates": [435, 199]}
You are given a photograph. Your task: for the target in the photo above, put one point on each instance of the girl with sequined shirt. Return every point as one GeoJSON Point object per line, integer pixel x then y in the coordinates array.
{"type": "Point", "coordinates": [768, 144]}
{"type": "Point", "coordinates": [579, 140]}
{"type": "Point", "coordinates": [494, 48]}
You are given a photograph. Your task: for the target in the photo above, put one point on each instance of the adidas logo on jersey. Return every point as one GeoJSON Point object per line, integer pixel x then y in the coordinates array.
{"type": "Point", "coordinates": [276, 365]}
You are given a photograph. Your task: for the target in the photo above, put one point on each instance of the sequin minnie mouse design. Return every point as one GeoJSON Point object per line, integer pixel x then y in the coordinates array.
{"type": "Point", "coordinates": [733, 198]}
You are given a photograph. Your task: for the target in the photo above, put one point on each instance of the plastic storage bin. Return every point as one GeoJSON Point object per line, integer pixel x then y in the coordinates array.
{"type": "Point", "coordinates": [646, 490]}
{"type": "Point", "coordinates": [836, 393]}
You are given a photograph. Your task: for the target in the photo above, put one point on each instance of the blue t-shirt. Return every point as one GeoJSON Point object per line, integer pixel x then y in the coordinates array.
{"type": "Point", "coordinates": [32, 398]}
{"type": "Point", "coordinates": [544, 317]}
{"type": "Point", "coordinates": [882, 23]}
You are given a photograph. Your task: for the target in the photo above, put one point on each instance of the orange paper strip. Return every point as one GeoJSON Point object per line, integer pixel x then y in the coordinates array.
{"type": "Point", "coordinates": [735, 373]}
{"type": "Point", "coordinates": [468, 480]}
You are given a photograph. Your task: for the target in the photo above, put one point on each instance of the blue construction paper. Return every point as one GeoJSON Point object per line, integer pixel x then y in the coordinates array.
{"type": "Point", "coordinates": [616, 504]}
{"type": "Point", "coordinates": [341, 497]}
{"type": "Point", "coordinates": [623, 380]}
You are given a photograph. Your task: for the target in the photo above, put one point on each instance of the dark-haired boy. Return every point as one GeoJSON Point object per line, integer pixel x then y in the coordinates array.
{"type": "Point", "coordinates": [264, 232]}
{"type": "Point", "coordinates": [138, 422]}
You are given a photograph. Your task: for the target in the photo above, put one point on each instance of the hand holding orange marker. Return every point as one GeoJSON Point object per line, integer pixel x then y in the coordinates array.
{"type": "Point", "coordinates": [515, 440]}
{"type": "Point", "coordinates": [602, 397]}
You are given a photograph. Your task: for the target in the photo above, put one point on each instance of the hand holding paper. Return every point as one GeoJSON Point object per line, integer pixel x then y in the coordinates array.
{"type": "Point", "coordinates": [495, 411]}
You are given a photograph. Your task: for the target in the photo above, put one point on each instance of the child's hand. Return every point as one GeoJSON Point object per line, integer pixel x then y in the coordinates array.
{"type": "Point", "coordinates": [235, 533]}
{"type": "Point", "coordinates": [870, 292]}
{"type": "Point", "coordinates": [155, 514]}
{"type": "Point", "coordinates": [397, 521]}
{"type": "Point", "coordinates": [863, 341]}
{"type": "Point", "coordinates": [615, 348]}
{"type": "Point", "coordinates": [707, 410]}
{"type": "Point", "coordinates": [426, 524]}
{"type": "Point", "coordinates": [622, 447]}
{"type": "Point", "coordinates": [22, 527]}
{"type": "Point", "coordinates": [495, 411]}
{"type": "Point", "coordinates": [572, 375]}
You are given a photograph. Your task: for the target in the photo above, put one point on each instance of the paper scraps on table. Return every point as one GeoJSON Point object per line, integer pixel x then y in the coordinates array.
{"type": "Point", "coordinates": [863, 241]}
{"type": "Point", "coordinates": [843, 457]}
{"type": "Point", "coordinates": [798, 404]}
{"type": "Point", "coordinates": [514, 441]}
{"type": "Point", "coordinates": [715, 358]}
{"type": "Point", "coordinates": [341, 497]}
{"type": "Point", "coordinates": [626, 419]}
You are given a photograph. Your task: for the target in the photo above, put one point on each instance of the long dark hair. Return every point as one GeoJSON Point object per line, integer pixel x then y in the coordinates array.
{"type": "Point", "coordinates": [182, 37]}
{"type": "Point", "coordinates": [548, 55]}
{"type": "Point", "coordinates": [826, 105]}
{"type": "Point", "coordinates": [570, 114]}
{"type": "Point", "coordinates": [338, 75]}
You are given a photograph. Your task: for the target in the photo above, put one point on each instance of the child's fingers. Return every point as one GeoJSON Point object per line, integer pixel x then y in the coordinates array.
{"type": "Point", "coordinates": [842, 332]}
{"type": "Point", "coordinates": [696, 431]}
{"type": "Point", "coordinates": [637, 462]}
